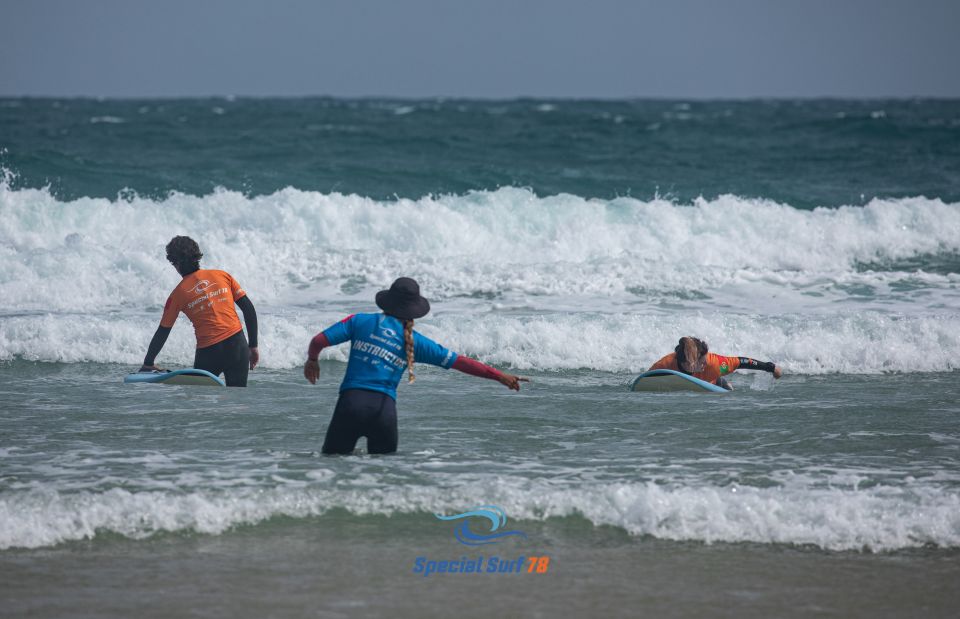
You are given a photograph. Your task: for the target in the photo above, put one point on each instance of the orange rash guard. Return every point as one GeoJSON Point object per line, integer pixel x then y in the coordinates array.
{"type": "Point", "coordinates": [717, 366]}
{"type": "Point", "coordinates": [207, 297]}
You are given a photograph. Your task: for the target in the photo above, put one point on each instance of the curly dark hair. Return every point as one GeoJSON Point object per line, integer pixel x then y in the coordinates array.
{"type": "Point", "coordinates": [184, 253]}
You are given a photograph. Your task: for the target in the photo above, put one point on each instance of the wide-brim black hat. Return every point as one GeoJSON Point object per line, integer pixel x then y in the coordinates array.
{"type": "Point", "coordinates": [403, 300]}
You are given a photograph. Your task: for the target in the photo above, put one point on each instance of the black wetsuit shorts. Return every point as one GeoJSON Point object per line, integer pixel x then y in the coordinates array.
{"type": "Point", "coordinates": [362, 413]}
{"type": "Point", "coordinates": [231, 357]}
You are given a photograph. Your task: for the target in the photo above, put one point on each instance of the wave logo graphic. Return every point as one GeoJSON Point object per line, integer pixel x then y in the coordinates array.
{"type": "Point", "coordinates": [493, 514]}
{"type": "Point", "coordinates": [201, 286]}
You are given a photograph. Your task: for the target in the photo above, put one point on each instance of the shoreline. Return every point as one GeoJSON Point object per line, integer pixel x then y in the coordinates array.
{"type": "Point", "coordinates": [297, 568]}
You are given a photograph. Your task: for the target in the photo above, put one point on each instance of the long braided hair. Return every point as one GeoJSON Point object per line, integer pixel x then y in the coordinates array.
{"type": "Point", "coordinates": [408, 342]}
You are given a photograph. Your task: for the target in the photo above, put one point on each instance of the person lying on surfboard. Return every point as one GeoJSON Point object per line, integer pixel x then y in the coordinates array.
{"type": "Point", "coordinates": [692, 356]}
{"type": "Point", "coordinates": [382, 346]}
{"type": "Point", "coordinates": [207, 297]}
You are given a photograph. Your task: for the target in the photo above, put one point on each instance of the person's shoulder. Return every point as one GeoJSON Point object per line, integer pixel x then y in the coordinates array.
{"type": "Point", "coordinates": [185, 285]}
{"type": "Point", "coordinates": [182, 291]}
{"type": "Point", "coordinates": [362, 316]}
{"type": "Point", "coordinates": [179, 288]}
{"type": "Point", "coordinates": [664, 362]}
{"type": "Point", "coordinates": [714, 359]}
{"type": "Point", "coordinates": [425, 339]}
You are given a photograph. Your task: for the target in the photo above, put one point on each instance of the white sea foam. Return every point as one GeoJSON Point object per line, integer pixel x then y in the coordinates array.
{"type": "Point", "coordinates": [869, 343]}
{"type": "Point", "coordinates": [84, 280]}
{"type": "Point", "coordinates": [113, 120]}
{"type": "Point", "coordinates": [481, 242]}
{"type": "Point", "coordinates": [878, 519]}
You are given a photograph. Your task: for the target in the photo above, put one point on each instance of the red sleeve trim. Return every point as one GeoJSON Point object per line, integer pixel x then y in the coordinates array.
{"type": "Point", "coordinates": [475, 368]}
{"type": "Point", "coordinates": [318, 343]}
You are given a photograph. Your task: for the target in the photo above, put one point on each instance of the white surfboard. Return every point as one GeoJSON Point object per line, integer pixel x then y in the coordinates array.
{"type": "Point", "coordinates": [190, 376]}
{"type": "Point", "coordinates": [670, 380]}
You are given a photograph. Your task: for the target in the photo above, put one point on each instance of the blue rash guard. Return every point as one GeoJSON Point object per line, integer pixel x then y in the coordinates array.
{"type": "Point", "coordinates": [377, 355]}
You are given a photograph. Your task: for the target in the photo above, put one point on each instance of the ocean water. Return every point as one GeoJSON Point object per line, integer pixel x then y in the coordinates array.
{"type": "Point", "coordinates": [572, 242]}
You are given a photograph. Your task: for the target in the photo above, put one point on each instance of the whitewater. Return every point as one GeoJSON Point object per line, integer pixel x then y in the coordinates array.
{"type": "Point", "coordinates": [571, 242]}
{"type": "Point", "coordinates": [513, 276]}
{"type": "Point", "coordinates": [579, 293]}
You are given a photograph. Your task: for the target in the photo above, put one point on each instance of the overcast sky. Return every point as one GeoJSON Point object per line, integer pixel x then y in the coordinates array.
{"type": "Point", "coordinates": [481, 48]}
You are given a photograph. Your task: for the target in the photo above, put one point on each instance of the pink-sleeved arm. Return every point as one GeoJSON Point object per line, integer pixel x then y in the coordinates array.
{"type": "Point", "coordinates": [318, 343]}
{"type": "Point", "coordinates": [475, 368]}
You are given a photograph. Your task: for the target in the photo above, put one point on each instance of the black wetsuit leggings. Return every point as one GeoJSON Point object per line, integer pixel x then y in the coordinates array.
{"type": "Point", "coordinates": [362, 413]}
{"type": "Point", "coordinates": [231, 357]}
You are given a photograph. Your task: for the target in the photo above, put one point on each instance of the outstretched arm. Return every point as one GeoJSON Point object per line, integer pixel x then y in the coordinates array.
{"type": "Point", "coordinates": [746, 363]}
{"type": "Point", "coordinates": [250, 319]}
{"type": "Point", "coordinates": [475, 368]}
{"type": "Point", "coordinates": [156, 345]}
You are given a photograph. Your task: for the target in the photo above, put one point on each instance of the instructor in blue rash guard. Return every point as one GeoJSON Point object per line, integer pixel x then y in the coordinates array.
{"type": "Point", "coordinates": [382, 347]}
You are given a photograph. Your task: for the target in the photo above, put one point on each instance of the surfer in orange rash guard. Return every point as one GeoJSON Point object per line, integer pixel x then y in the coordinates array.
{"type": "Point", "coordinates": [207, 297]}
{"type": "Point", "coordinates": [691, 356]}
